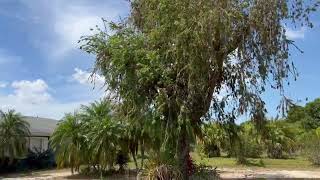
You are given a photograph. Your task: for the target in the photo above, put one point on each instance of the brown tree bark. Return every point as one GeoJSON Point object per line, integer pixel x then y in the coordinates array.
{"type": "Point", "coordinates": [183, 150]}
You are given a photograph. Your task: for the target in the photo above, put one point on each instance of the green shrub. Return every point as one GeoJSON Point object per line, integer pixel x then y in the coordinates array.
{"type": "Point", "coordinates": [163, 171]}
{"type": "Point", "coordinates": [213, 141]}
{"type": "Point", "coordinates": [251, 145]}
{"type": "Point", "coordinates": [280, 140]}
{"type": "Point", "coordinates": [312, 146]}
{"type": "Point", "coordinates": [40, 159]}
{"type": "Point", "coordinates": [203, 172]}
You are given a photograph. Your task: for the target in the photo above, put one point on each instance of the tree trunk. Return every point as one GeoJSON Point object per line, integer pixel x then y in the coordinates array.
{"type": "Point", "coordinates": [135, 160]}
{"type": "Point", "coordinates": [183, 151]}
{"type": "Point", "coordinates": [142, 154]}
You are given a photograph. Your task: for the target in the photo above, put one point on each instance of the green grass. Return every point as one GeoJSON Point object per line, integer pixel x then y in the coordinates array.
{"type": "Point", "coordinates": [283, 164]}
{"type": "Point", "coordinates": [298, 163]}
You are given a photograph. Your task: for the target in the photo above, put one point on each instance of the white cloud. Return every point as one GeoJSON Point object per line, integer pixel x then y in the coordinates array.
{"type": "Point", "coordinates": [54, 109]}
{"type": "Point", "coordinates": [3, 84]}
{"type": "Point", "coordinates": [295, 34]}
{"type": "Point", "coordinates": [67, 21]}
{"type": "Point", "coordinates": [33, 99]}
{"type": "Point", "coordinates": [85, 78]}
{"type": "Point", "coordinates": [54, 27]}
{"type": "Point", "coordinates": [31, 92]}
{"type": "Point", "coordinates": [69, 27]}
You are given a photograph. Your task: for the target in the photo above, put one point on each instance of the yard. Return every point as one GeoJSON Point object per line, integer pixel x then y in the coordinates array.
{"type": "Point", "coordinates": [227, 168]}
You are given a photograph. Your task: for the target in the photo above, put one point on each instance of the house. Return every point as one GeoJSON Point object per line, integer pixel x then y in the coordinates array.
{"type": "Point", "coordinates": [40, 131]}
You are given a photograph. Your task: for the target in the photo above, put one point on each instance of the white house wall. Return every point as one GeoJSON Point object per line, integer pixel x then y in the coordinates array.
{"type": "Point", "coordinates": [37, 144]}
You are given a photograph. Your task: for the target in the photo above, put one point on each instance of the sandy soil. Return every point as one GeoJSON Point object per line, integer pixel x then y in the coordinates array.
{"type": "Point", "coordinates": [59, 174]}
{"type": "Point", "coordinates": [48, 174]}
{"type": "Point", "coordinates": [229, 173]}
{"type": "Point", "coordinates": [225, 173]}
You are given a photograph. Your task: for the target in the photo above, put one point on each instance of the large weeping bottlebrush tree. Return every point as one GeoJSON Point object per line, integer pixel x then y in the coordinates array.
{"type": "Point", "coordinates": [185, 60]}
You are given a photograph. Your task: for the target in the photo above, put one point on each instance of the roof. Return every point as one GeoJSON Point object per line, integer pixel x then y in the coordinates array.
{"type": "Point", "coordinates": [41, 126]}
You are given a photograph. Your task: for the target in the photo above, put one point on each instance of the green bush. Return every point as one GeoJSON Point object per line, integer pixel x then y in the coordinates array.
{"type": "Point", "coordinates": [280, 140]}
{"type": "Point", "coordinates": [312, 146]}
{"type": "Point", "coordinates": [252, 148]}
{"type": "Point", "coordinates": [213, 141]}
{"type": "Point", "coordinates": [251, 145]}
{"type": "Point", "coordinates": [33, 161]}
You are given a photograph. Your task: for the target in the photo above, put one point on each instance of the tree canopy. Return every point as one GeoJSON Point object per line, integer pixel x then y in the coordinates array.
{"type": "Point", "coordinates": [308, 116]}
{"type": "Point", "coordinates": [186, 60]}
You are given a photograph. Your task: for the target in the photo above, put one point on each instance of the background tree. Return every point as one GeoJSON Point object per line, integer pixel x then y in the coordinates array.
{"type": "Point", "coordinates": [251, 139]}
{"type": "Point", "coordinates": [308, 117]}
{"type": "Point", "coordinates": [312, 120]}
{"type": "Point", "coordinates": [280, 140]}
{"type": "Point", "coordinates": [213, 140]}
{"type": "Point", "coordinates": [296, 114]}
{"type": "Point", "coordinates": [14, 134]}
{"type": "Point", "coordinates": [312, 145]}
{"type": "Point", "coordinates": [176, 56]}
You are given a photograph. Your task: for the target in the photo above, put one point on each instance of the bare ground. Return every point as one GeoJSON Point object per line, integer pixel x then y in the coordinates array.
{"type": "Point", "coordinates": [233, 173]}
{"type": "Point", "coordinates": [225, 173]}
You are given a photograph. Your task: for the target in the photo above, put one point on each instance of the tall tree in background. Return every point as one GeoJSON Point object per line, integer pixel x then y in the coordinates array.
{"type": "Point", "coordinates": [308, 116]}
{"type": "Point", "coordinates": [187, 60]}
{"type": "Point", "coordinates": [14, 133]}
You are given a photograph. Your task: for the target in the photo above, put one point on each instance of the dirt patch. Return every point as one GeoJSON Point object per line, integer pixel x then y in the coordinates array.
{"type": "Point", "coordinates": [46, 174]}
{"type": "Point", "coordinates": [225, 173]}
{"type": "Point", "coordinates": [62, 174]}
{"type": "Point", "coordinates": [230, 173]}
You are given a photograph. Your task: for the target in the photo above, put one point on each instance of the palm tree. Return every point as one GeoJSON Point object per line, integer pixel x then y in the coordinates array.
{"type": "Point", "coordinates": [105, 134]}
{"type": "Point", "coordinates": [14, 132]}
{"type": "Point", "coordinates": [96, 110]}
{"type": "Point", "coordinates": [105, 137]}
{"type": "Point", "coordinates": [280, 139]}
{"type": "Point", "coordinates": [68, 142]}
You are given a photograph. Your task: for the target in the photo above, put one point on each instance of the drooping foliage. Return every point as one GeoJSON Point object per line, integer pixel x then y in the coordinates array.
{"type": "Point", "coordinates": [14, 134]}
{"type": "Point", "coordinates": [175, 57]}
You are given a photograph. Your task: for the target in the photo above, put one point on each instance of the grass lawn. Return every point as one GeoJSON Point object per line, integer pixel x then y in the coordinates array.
{"type": "Point", "coordinates": [298, 163]}
{"type": "Point", "coordinates": [279, 164]}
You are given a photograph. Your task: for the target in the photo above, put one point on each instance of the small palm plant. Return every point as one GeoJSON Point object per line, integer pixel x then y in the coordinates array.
{"type": "Point", "coordinates": [68, 142]}
{"type": "Point", "coordinates": [14, 134]}
{"type": "Point", "coordinates": [105, 138]}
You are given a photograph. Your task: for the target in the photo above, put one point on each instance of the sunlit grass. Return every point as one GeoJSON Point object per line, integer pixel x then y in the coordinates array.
{"type": "Point", "coordinates": [281, 164]}
{"type": "Point", "coordinates": [298, 163]}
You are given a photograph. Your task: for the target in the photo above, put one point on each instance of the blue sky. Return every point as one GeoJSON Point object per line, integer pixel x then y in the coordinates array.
{"type": "Point", "coordinates": [43, 73]}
